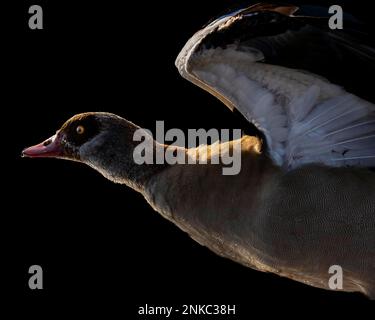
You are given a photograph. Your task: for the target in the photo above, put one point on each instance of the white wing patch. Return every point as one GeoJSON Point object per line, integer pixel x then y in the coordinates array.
{"type": "Point", "coordinates": [305, 118]}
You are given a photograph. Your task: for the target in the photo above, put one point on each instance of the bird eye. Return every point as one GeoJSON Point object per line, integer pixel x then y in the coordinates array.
{"type": "Point", "coordinates": [80, 129]}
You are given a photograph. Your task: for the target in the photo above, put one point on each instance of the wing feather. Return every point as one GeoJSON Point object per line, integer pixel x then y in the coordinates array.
{"type": "Point", "coordinates": [304, 117]}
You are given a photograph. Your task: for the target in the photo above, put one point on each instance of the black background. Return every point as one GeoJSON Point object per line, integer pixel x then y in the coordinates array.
{"type": "Point", "coordinates": [102, 248]}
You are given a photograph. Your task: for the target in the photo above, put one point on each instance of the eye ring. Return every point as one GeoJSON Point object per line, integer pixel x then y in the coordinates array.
{"type": "Point", "coordinates": [80, 129]}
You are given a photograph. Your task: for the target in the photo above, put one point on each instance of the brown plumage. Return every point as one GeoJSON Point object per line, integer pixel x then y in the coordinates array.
{"type": "Point", "coordinates": [296, 224]}
{"type": "Point", "coordinates": [305, 204]}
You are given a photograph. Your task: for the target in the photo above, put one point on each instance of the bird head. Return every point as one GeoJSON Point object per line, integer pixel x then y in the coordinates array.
{"type": "Point", "coordinates": [104, 141]}
{"type": "Point", "coordinates": [80, 136]}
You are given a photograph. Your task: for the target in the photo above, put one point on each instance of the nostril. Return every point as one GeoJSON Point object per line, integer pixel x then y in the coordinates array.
{"type": "Point", "coordinates": [47, 142]}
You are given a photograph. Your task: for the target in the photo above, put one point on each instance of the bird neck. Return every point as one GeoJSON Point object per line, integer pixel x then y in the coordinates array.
{"type": "Point", "coordinates": [125, 159]}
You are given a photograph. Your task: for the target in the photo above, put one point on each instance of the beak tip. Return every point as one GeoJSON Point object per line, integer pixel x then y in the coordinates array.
{"type": "Point", "coordinates": [23, 153]}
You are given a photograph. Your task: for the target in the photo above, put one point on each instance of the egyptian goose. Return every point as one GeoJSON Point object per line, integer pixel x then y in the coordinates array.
{"type": "Point", "coordinates": [304, 199]}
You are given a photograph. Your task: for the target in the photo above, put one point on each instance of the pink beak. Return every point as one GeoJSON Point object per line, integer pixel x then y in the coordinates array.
{"type": "Point", "coordinates": [47, 149]}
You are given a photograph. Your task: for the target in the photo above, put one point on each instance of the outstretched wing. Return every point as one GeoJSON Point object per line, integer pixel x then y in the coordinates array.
{"type": "Point", "coordinates": [303, 85]}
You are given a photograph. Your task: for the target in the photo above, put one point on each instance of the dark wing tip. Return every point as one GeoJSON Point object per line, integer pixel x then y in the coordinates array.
{"type": "Point", "coordinates": [285, 9]}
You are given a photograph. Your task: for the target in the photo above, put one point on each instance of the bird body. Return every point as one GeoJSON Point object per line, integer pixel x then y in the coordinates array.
{"type": "Point", "coordinates": [295, 224]}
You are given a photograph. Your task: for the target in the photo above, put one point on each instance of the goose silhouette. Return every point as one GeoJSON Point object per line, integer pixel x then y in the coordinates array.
{"type": "Point", "coordinates": [304, 199]}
